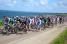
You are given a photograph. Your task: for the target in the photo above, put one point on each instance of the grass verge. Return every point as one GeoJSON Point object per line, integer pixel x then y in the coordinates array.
{"type": "Point", "coordinates": [61, 39]}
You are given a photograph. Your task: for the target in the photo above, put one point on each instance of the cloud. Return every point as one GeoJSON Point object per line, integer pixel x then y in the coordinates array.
{"type": "Point", "coordinates": [14, 1]}
{"type": "Point", "coordinates": [61, 3]}
{"type": "Point", "coordinates": [44, 2]}
{"type": "Point", "coordinates": [36, 2]}
{"type": "Point", "coordinates": [8, 2]}
{"type": "Point", "coordinates": [27, 0]}
{"type": "Point", "coordinates": [11, 2]}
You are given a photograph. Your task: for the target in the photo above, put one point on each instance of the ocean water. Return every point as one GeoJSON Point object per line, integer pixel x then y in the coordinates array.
{"type": "Point", "coordinates": [19, 13]}
{"type": "Point", "coordinates": [15, 13]}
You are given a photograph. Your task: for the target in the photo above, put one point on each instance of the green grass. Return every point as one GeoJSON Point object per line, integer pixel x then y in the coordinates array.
{"type": "Point", "coordinates": [1, 23]}
{"type": "Point", "coordinates": [61, 39]}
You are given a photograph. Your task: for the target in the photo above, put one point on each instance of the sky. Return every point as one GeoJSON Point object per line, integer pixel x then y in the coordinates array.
{"type": "Point", "coordinates": [50, 6]}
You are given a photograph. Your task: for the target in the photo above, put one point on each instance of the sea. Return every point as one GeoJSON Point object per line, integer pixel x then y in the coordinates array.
{"type": "Point", "coordinates": [21, 13]}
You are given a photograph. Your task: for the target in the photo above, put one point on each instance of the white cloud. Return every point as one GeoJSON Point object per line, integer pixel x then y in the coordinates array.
{"type": "Point", "coordinates": [8, 2]}
{"type": "Point", "coordinates": [11, 2]}
{"type": "Point", "coordinates": [62, 3]}
{"type": "Point", "coordinates": [27, 1]}
{"type": "Point", "coordinates": [44, 2]}
{"type": "Point", "coordinates": [58, 4]}
{"type": "Point", "coordinates": [41, 3]}
{"type": "Point", "coordinates": [14, 1]}
{"type": "Point", "coordinates": [36, 3]}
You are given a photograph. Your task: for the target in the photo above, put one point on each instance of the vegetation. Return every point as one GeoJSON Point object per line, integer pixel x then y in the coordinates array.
{"type": "Point", "coordinates": [61, 39]}
{"type": "Point", "coordinates": [1, 23]}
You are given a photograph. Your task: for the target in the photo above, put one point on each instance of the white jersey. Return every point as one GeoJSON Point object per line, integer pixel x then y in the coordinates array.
{"type": "Point", "coordinates": [58, 19]}
{"type": "Point", "coordinates": [30, 21]}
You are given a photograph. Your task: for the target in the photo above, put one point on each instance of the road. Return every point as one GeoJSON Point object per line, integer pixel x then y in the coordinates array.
{"type": "Point", "coordinates": [42, 37]}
